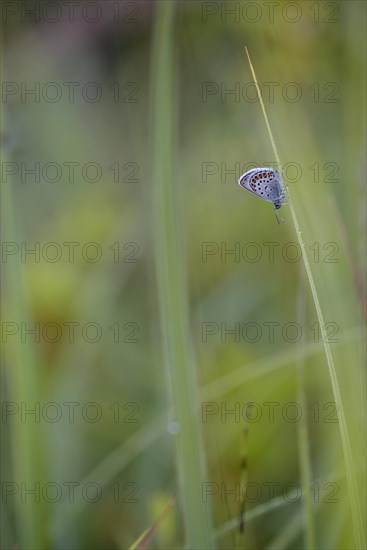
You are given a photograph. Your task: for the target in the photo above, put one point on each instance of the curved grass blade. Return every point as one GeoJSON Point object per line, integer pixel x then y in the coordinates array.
{"type": "Point", "coordinates": [347, 451]}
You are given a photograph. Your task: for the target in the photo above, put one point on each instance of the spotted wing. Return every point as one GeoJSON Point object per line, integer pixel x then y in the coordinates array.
{"type": "Point", "coordinates": [247, 180]}
{"type": "Point", "coordinates": [261, 182]}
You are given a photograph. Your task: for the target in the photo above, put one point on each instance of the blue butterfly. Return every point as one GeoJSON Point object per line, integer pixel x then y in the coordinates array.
{"type": "Point", "coordinates": [267, 184]}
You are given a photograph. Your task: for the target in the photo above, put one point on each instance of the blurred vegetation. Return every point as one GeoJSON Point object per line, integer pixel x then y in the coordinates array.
{"type": "Point", "coordinates": [130, 450]}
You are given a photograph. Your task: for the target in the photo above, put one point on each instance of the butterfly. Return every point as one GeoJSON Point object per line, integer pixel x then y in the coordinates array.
{"type": "Point", "coordinates": [267, 184]}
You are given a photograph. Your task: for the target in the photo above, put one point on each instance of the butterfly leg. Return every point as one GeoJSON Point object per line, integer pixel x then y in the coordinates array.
{"type": "Point", "coordinates": [278, 216]}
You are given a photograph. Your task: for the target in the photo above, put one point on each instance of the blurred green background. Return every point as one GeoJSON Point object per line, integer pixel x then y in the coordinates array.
{"type": "Point", "coordinates": [99, 450]}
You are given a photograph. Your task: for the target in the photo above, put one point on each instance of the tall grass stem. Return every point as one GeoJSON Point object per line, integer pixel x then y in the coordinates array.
{"type": "Point", "coordinates": [172, 289]}
{"type": "Point", "coordinates": [347, 451]}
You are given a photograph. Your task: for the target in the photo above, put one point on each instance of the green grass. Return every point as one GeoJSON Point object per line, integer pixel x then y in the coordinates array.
{"type": "Point", "coordinates": [169, 212]}
{"type": "Point", "coordinates": [25, 457]}
{"type": "Point", "coordinates": [172, 289]}
{"type": "Point", "coordinates": [359, 535]}
{"type": "Point", "coordinates": [302, 428]}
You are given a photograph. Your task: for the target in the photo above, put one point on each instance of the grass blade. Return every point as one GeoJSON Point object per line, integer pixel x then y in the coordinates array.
{"type": "Point", "coordinates": [173, 301]}
{"type": "Point", "coordinates": [347, 451]}
{"type": "Point", "coordinates": [21, 370]}
{"type": "Point", "coordinates": [302, 428]}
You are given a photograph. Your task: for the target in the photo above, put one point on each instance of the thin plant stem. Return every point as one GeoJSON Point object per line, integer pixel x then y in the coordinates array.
{"type": "Point", "coordinates": [352, 485]}
{"type": "Point", "coordinates": [302, 428]}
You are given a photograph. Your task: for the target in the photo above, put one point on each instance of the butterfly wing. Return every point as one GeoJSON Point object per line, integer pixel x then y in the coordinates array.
{"type": "Point", "coordinates": [247, 181]}
{"type": "Point", "coordinates": [263, 182]}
